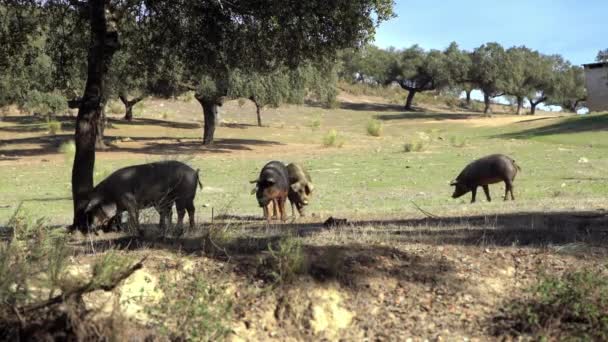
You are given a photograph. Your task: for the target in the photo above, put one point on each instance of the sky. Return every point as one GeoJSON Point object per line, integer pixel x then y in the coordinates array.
{"type": "Point", "coordinates": [576, 30]}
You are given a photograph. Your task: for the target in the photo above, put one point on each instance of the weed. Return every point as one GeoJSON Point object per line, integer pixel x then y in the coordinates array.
{"type": "Point", "coordinates": [374, 128]}
{"type": "Point", "coordinates": [286, 261]}
{"type": "Point", "coordinates": [414, 146]}
{"type": "Point", "coordinates": [458, 142]}
{"type": "Point", "coordinates": [574, 305]}
{"type": "Point", "coordinates": [332, 139]}
{"type": "Point", "coordinates": [53, 126]}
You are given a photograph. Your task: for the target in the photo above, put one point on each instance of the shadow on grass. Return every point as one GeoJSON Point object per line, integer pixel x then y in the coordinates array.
{"type": "Point", "coordinates": [369, 107]}
{"type": "Point", "coordinates": [155, 122]}
{"type": "Point", "coordinates": [49, 144]}
{"type": "Point", "coordinates": [428, 116]}
{"type": "Point", "coordinates": [579, 124]}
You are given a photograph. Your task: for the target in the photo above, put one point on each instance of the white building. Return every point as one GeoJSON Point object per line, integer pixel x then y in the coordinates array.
{"type": "Point", "coordinates": [596, 81]}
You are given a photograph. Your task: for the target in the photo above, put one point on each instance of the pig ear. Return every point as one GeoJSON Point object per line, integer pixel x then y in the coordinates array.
{"type": "Point", "coordinates": [454, 183]}
{"type": "Point", "coordinates": [296, 186]}
{"type": "Point", "coordinates": [253, 181]}
{"type": "Point", "coordinates": [309, 188]}
{"type": "Point", "coordinates": [92, 204]}
{"type": "Point", "coordinates": [109, 209]}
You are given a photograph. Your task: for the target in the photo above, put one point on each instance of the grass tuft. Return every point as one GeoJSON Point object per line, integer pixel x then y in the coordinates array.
{"type": "Point", "coordinates": [374, 128]}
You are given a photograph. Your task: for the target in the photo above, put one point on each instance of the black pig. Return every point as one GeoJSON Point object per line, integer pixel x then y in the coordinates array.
{"type": "Point", "coordinates": [132, 188]}
{"type": "Point", "coordinates": [272, 187]}
{"type": "Point", "coordinates": [487, 170]}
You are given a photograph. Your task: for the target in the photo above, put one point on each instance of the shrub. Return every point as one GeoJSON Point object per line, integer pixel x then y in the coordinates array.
{"type": "Point", "coordinates": [286, 261]}
{"type": "Point", "coordinates": [45, 103]}
{"type": "Point", "coordinates": [68, 149]}
{"type": "Point", "coordinates": [477, 106]}
{"type": "Point", "coordinates": [193, 310]}
{"type": "Point", "coordinates": [53, 126]}
{"type": "Point", "coordinates": [138, 109]}
{"type": "Point", "coordinates": [573, 306]}
{"type": "Point", "coordinates": [187, 97]}
{"type": "Point", "coordinates": [115, 107]}
{"type": "Point", "coordinates": [414, 146]}
{"type": "Point", "coordinates": [332, 139]}
{"type": "Point", "coordinates": [452, 102]}
{"type": "Point", "coordinates": [374, 128]}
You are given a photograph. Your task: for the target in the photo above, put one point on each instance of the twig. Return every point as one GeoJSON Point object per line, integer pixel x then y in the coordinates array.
{"type": "Point", "coordinates": [426, 213]}
{"type": "Point", "coordinates": [89, 287]}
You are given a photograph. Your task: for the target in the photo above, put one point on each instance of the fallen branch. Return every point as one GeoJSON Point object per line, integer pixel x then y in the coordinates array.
{"type": "Point", "coordinates": [426, 213]}
{"type": "Point", "coordinates": [88, 287]}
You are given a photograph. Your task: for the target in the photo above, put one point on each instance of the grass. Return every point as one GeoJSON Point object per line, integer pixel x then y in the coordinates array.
{"type": "Point", "coordinates": [374, 128]}
{"type": "Point", "coordinates": [332, 139]}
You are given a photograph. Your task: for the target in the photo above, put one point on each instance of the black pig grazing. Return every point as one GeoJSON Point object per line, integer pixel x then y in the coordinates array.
{"type": "Point", "coordinates": [487, 170]}
{"type": "Point", "coordinates": [132, 188]}
{"type": "Point", "coordinates": [272, 187]}
{"type": "Point", "coordinates": [300, 187]}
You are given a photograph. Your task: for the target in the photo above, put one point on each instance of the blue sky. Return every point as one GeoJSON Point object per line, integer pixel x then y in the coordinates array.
{"type": "Point", "coordinates": [575, 29]}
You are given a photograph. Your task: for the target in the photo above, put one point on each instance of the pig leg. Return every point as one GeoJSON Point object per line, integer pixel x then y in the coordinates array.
{"type": "Point", "coordinates": [473, 194]}
{"type": "Point", "coordinates": [281, 202]}
{"type": "Point", "coordinates": [293, 213]}
{"type": "Point", "coordinates": [181, 212]}
{"type": "Point", "coordinates": [190, 208]}
{"type": "Point", "coordinates": [274, 209]}
{"type": "Point", "coordinates": [509, 189]}
{"type": "Point", "coordinates": [267, 211]}
{"type": "Point", "coordinates": [486, 189]}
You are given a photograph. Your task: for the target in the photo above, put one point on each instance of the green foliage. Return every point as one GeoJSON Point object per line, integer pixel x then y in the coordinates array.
{"type": "Point", "coordinates": [332, 139]}
{"type": "Point", "coordinates": [192, 310]}
{"type": "Point", "coordinates": [138, 109]}
{"type": "Point", "coordinates": [315, 122]}
{"type": "Point", "coordinates": [187, 97]}
{"type": "Point", "coordinates": [53, 126]}
{"type": "Point", "coordinates": [45, 103]}
{"type": "Point", "coordinates": [68, 149]}
{"type": "Point", "coordinates": [115, 107]}
{"type": "Point", "coordinates": [286, 261]}
{"type": "Point", "coordinates": [488, 68]}
{"type": "Point", "coordinates": [573, 306]}
{"type": "Point", "coordinates": [374, 128]}
{"type": "Point", "coordinates": [35, 256]}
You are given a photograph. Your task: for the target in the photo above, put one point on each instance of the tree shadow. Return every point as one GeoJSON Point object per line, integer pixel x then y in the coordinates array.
{"type": "Point", "coordinates": [155, 122]}
{"type": "Point", "coordinates": [579, 124]}
{"type": "Point", "coordinates": [368, 107]}
{"type": "Point", "coordinates": [428, 116]}
{"type": "Point", "coordinates": [35, 123]}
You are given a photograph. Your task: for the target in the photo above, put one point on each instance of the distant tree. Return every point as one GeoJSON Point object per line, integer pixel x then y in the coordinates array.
{"type": "Point", "coordinates": [417, 70]}
{"type": "Point", "coordinates": [543, 79]}
{"type": "Point", "coordinates": [459, 64]}
{"type": "Point", "coordinates": [569, 89]}
{"type": "Point", "coordinates": [488, 71]}
{"type": "Point", "coordinates": [602, 56]}
{"type": "Point", "coordinates": [368, 63]}
{"type": "Point", "coordinates": [519, 81]}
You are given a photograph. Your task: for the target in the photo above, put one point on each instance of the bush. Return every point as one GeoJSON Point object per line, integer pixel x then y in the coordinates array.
{"type": "Point", "coordinates": [115, 107]}
{"type": "Point", "coordinates": [374, 128]}
{"type": "Point", "coordinates": [188, 97]}
{"type": "Point", "coordinates": [477, 106]}
{"type": "Point", "coordinates": [138, 109]}
{"type": "Point", "coordinates": [286, 261]}
{"type": "Point", "coordinates": [414, 146]}
{"type": "Point", "coordinates": [68, 149]}
{"type": "Point", "coordinates": [45, 103]}
{"type": "Point", "coordinates": [332, 139]}
{"type": "Point", "coordinates": [53, 126]}
{"type": "Point", "coordinates": [193, 310]}
{"type": "Point", "coordinates": [573, 306]}
{"type": "Point", "coordinates": [452, 102]}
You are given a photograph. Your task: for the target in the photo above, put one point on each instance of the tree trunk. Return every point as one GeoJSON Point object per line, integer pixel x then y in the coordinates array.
{"type": "Point", "coordinates": [210, 114]}
{"type": "Point", "coordinates": [533, 107]}
{"type": "Point", "coordinates": [410, 99]}
{"type": "Point", "coordinates": [468, 93]}
{"type": "Point", "coordinates": [486, 101]}
{"type": "Point", "coordinates": [101, 127]}
{"type": "Point", "coordinates": [102, 46]}
{"type": "Point", "coordinates": [520, 104]}
{"type": "Point", "coordinates": [258, 112]}
{"type": "Point", "coordinates": [129, 106]}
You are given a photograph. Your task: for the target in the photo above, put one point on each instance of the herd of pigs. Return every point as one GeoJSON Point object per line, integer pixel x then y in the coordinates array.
{"type": "Point", "coordinates": [162, 184]}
